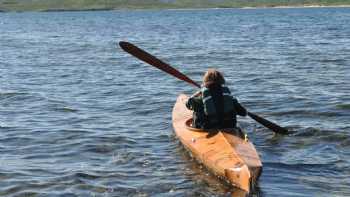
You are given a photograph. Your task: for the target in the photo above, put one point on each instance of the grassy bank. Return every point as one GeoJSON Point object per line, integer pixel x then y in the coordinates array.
{"type": "Point", "coordinates": [62, 5]}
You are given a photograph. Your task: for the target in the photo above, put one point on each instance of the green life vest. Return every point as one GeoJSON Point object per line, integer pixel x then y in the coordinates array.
{"type": "Point", "coordinates": [209, 105]}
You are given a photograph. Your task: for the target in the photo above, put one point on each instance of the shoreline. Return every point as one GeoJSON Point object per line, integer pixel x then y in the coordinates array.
{"type": "Point", "coordinates": [301, 6]}
{"type": "Point", "coordinates": [189, 8]}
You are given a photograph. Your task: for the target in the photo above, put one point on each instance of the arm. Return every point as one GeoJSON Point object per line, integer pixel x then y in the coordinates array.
{"type": "Point", "coordinates": [194, 102]}
{"type": "Point", "coordinates": [239, 108]}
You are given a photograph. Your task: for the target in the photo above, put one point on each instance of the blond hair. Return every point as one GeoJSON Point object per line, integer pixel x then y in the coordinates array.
{"type": "Point", "coordinates": [213, 76]}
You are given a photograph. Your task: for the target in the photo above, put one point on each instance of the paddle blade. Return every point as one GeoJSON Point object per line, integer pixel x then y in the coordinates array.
{"type": "Point", "coordinates": [152, 60]}
{"type": "Point", "coordinates": [274, 127]}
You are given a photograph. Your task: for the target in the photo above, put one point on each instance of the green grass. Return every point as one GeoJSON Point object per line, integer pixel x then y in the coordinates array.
{"type": "Point", "coordinates": [46, 5]}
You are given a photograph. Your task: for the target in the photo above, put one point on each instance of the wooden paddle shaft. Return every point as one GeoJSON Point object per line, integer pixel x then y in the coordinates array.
{"type": "Point", "coordinates": [152, 60]}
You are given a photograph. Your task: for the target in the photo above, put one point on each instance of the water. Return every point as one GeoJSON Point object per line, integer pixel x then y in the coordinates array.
{"type": "Point", "coordinates": [79, 117]}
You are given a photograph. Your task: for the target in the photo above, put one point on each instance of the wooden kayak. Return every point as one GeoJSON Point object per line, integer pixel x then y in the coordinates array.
{"type": "Point", "coordinates": [227, 153]}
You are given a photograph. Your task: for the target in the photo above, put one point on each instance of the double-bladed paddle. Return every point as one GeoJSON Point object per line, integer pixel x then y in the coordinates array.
{"type": "Point", "coordinates": [152, 60]}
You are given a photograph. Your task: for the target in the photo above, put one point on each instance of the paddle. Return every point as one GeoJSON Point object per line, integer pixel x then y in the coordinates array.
{"type": "Point", "coordinates": [152, 60]}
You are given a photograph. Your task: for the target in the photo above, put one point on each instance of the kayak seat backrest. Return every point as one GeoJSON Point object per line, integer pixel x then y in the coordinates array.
{"type": "Point", "coordinates": [190, 127]}
{"type": "Point", "coordinates": [234, 131]}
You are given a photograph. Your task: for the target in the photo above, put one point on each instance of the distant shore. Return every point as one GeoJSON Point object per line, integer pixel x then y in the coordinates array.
{"type": "Point", "coordinates": [170, 8]}
{"type": "Point", "coordinates": [301, 6]}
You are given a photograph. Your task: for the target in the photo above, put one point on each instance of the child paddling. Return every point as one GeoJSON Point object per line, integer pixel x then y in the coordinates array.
{"type": "Point", "coordinates": [214, 106]}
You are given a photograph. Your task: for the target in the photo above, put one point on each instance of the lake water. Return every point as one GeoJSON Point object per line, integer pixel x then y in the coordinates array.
{"type": "Point", "coordinates": [80, 117]}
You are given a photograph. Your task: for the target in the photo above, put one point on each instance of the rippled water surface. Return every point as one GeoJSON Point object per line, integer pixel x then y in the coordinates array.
{"type": "Point", "coordinates": [78, 116]}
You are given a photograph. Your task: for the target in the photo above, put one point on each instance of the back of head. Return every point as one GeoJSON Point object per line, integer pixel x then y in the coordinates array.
{"type": "Point", "coordinates": [213, 78]}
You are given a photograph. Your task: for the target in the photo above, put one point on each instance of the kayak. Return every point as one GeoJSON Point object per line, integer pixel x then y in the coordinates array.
{"type": "Point", "coordinates": [227, 153]}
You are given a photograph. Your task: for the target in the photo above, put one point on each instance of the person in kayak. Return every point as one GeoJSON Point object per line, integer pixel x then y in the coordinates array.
{"type": "Point", "coordinates": [214, 106]}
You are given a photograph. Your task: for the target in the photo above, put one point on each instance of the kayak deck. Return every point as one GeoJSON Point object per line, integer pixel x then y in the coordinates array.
{"type": "Point", "coordinates": [224, 152]}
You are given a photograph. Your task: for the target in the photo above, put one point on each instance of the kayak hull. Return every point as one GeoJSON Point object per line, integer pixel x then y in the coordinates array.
{"type": "Point", "coordinates": [226, 152]}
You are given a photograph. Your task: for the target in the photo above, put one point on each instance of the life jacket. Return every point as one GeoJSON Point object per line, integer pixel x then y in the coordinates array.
{"type": "Point", "coordinates": [210, 110]}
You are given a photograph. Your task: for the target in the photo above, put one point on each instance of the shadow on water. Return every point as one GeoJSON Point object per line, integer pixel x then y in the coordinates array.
{"type": "Point", "coordinates": [316, 135]}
